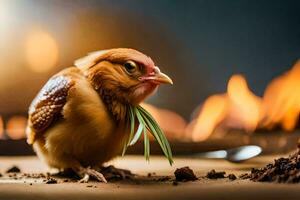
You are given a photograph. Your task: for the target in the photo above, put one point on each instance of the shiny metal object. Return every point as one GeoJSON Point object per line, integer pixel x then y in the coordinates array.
{"type": "Point", "coordinates": [235, 155]}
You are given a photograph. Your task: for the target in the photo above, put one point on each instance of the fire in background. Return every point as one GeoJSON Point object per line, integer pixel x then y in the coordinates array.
{"type": "Point", "coordinates": [240, 108]}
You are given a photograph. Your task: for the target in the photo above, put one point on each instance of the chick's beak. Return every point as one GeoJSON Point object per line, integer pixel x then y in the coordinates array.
{"type": "Point", "coordinates": [157, 77]}
{"type": "Point", "coordinates": [163, 78]}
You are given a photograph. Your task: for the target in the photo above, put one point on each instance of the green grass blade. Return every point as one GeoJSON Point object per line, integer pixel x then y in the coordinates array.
{"type": "Point", "coordinates": [146, 145]}
{"type": "Point", "coordinates": [146, 122]}
{"type": "Point", "coordinates": [124, 148]}
{"type": "Point", "coordinates": [137, 134]}
{"type": "Point", "coordinates": [146, 138]}
{"type": "Point", "coordinates": [132, 123]}
{"type": "Point", "coordinates": [153, 131]}
{"type": "Point", "coordinates": [157, 133]}
{"type": "Point", "coordinates": [161, 135]}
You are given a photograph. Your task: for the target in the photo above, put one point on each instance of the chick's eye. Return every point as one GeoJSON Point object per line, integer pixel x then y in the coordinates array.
{"type": "Point", "coordinates": [130, 66]}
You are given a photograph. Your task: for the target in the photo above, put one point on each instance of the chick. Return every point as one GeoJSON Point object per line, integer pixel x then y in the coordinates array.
{"type": "Point", "coordinates": [78, 119]}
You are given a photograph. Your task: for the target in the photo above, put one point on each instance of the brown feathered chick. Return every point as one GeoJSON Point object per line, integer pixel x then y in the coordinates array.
{"type": "Point", "coordinates": [78, 119]}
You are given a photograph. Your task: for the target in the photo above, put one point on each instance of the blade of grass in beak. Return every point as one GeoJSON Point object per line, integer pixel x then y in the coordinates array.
{"type": "Point", "coordinates": [146, 138]}
{"type": "Point", "coordinates": [132, 123]}
{"type": "Point", "coordinates": [158, 134]}
{"type": "Point", "coordinates": [146, 145]}
{"type": "Point", "coordinates": [152, 127]}
{"type": "Point", "coordinates": [146, 122]}
{"type": "Point", "coordinates": [137, 134]}
{"type": "Point", "coordinates": [124, 148]}
{"type": "Point", "coordinates": [153, 131]}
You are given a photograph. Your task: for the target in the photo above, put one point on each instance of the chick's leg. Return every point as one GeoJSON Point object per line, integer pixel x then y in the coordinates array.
{"type": "Point", "coordinates": [88, 172]}
{"type": "Point", "coordinates": [113, 172]}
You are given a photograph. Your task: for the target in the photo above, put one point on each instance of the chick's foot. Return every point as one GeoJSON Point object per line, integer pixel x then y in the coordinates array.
{"type": "Point", "coordinates": [112, 172]}
{"type": "Point", "coordinates": [87, 173]}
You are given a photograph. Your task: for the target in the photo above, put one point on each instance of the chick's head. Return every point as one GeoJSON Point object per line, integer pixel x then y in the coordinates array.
{"type": "Point", "coordinates": [125, 74]}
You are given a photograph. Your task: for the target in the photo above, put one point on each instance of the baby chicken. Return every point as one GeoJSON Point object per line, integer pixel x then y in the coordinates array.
{"type": "Point", "coordinates": [79, 121]}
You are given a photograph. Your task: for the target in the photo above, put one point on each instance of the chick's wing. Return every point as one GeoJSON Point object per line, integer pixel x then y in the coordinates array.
{"type": "Point", "coordinates": [47, 105]}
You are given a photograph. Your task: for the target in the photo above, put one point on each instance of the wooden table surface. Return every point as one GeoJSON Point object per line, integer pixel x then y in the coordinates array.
{"type": "Point", "coordinates": [201, 189]}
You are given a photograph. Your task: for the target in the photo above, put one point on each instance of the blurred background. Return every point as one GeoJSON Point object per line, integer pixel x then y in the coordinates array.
{"type": "Point", "coordinates": [200, 44]}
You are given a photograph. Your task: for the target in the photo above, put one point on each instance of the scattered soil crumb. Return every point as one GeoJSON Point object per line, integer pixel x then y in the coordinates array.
{"type": "Point", "coordinates": [89, 186]}
{"type": "Point", "coordinates": [151, 174]}
{"type": "Point", "coordinates": [51, 181]}
{"type": "Point", "coordinates": [164, 178]}
{"type": "Point", "coordinates": [282, 170]}
{"type": "Point", "coordinates": [175, 183]}
{"type": "Point", "coordinates": [113, 173]}
{"type": "Point", "coordinates": [232, 177]}
{"type": "Point", "coordinates": [215, 175]}
{"type": "Point", "coordinates": [30, 183]}
{"type": "Point", "coordinates": [244, 176]}
{"type": "Point", "coordinates": [13, 169]}
{"type": "Point", "coordinates": [185, 174]}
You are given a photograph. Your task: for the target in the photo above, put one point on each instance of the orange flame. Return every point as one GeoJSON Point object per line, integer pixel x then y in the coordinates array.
{"type": "Point", "coordinates": [215, 107]}
{"type": "Point", "coordinates": [281, 100]}
{"type": "Point", "coordinates": [238, 108]}
{"type": "Point", "coordinates": [245, 106]}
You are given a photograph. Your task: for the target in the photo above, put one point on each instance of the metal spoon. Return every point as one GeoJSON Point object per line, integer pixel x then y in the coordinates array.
{"type": "Point", "coordinates": [235, 155]}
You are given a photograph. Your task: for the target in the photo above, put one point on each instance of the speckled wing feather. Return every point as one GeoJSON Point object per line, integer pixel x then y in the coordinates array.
{"type": "Point", "coordinates": [48, 104]}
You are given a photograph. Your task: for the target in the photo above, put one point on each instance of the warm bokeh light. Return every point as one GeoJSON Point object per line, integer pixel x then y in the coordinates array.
{"type": "Point", "coordinates": [41, 51]}
{"type": "Point", "coordinates": [1, 127]}
{"type": "Point", "coordinates": [282, 100]}
{"type": "Point", "coordinates": [16, 127]}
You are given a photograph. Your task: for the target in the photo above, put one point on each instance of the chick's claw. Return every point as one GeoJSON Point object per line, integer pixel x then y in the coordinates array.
{"type": "Point", "coordinates": [85, 179]}
{"type": "Point", "coordinates": [112, 172]}
{"type": "Point", "coordinates": [88, 172]}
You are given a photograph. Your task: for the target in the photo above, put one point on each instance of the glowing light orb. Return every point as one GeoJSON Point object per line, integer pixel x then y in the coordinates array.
{"type": "Point", "coordinates": [16, 127]}
{"type": "Point", "coordinates": [1, 127]}
{"type": "Point", "coordinates": [41, 51]}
